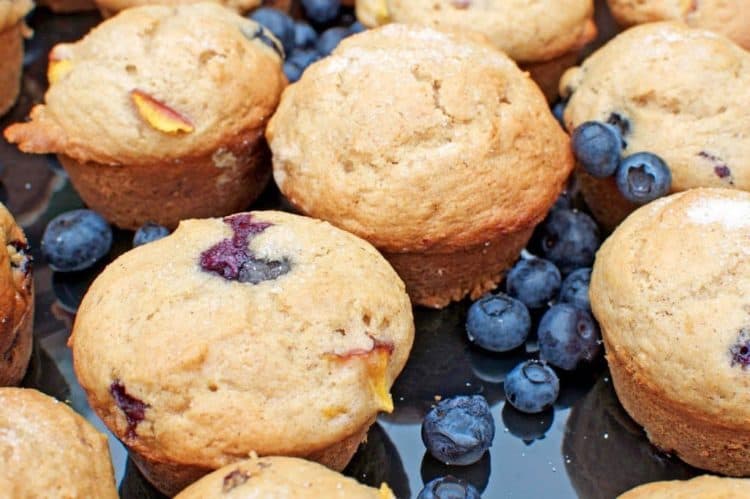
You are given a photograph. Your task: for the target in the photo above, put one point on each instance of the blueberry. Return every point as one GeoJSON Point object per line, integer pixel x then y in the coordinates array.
{"type": "Point", "coordinates": [76, 240]}
{"type": "Point", "coordinates": [148, 233]}
{"type": "Point", "coordinates": [575, 289]}
{"type": "Point", "coordinates": [643, 177]}
{"type": "Point", "coordinates": [292, 72]}
{"type": "Point", "coordinates": [459, 430]}
{"type": "Point", "coordinates": [278, 23]}
{"type": "Point", "coordinates": [448, 487]}
{"type": "Point", "coordinates": [498, 323]}
{"type": "Point", "coordinates": [302, 58]}
{"type": "Point", "coordinates": [558, 110]}
{"type": "Point", "coordinates": [567, 336]}
{"type": "Point", "coordinates": [330, 39]}
{"type": "Point", "coordinates": [256, 270]}
{"type": "Point", "coordinates": [563, 202]}
{"type": "Point", "coordinates": [597, 148]}
{"type": "Point", "coordinates": [532, 387]}
{"type": "Point", "coordinates": [321, 11]}
{"type": "Point", "coordinates": [357, 27]}
{"type": "Point", "coordinates": [569, 239]}
{"type": "Point", "coordinates": [304, 35]}
{"type": "Point", "coordinates": [534, 282]}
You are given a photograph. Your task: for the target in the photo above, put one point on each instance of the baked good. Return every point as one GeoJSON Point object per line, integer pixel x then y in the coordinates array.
{"type": "Point", "coordinates": [16, 301]}
{"type": "Point", "coordinates": [702, 487]}
{"type": "Point", "coordinates": [68, 6]}
{"type": "Point", "coordinates": [49, 450]}
{"type": "Point", "coordinates": [278, 334]}
{"type": "Point", "coordinates": [731, 18]}
{"type": "Point", "coordinates": [278, 478]}
{"type": "Point", "coordinates": [109, 8]}
{"type": "Point", "coordinates": [12, 31]}
{"type": "Point", "coordinates": [158, 114]}
{"type": "Point", "coordinates": [421, 142]}
{"type": "Point", "coordinates": [543, 37]}
{"type": "Point", "coordinates": [669, 290]}
{"type": "Point", "coordinates": [682, 99]}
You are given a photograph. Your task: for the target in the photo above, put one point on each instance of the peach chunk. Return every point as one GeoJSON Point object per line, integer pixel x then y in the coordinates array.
{"type": "Point", "coordinates": [159, 115]}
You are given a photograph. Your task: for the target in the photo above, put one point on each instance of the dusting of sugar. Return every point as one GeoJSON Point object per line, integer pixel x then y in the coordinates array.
{"type": "Point", "coordinates": [672, 36]}
{"type": "Point", "coordinates": [731, 213]}
{"type": "Point", "coordinates": [420, 33]}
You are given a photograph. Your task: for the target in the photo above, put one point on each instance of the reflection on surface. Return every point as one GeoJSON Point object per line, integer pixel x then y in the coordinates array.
{"type": "Point", "coordinates": [477, 474]}
{"type": "Point", "coordinates": [377, 461]}
{"type": "Point", "coordinates": [44, 375]}
{"type": "Point", "coordinates": [135, 486]}
{"type": "Point", "coordinates": [527, 427]}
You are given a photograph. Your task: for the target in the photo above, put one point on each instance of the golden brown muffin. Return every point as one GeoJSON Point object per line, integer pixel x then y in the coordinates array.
{"type": "Point", "coordinates": [274, 333]}
{"type": "Point", "coordinates": [669, 289]}
{"type": "Point", "coordinates": [48, 450]}
{"type": "Point", "coordinates": [434, 147]}
{"type": "Point", "coordinates": [16, 301]}
{"type": "Point", "coordinates": [702, 487]}
{"type": "Point", "coordinates": [158, 113]}
{"type": "Point", "coordinates": [68, 6]}
{"type": "Point", "coordinates": [109, 8]}
{"type": "Point", "coordinates": [12, 31]}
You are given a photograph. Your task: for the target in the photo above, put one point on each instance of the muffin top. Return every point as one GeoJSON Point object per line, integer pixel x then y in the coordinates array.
{"type": "Point", "coordinates": [678, 92]}
{"type": "Point", "coordinates": [48, 449]}
{"type": "Point", "coordinates": [154, 84]}
{"type": "Point", "coordinates": [280, 478]}
{"type": "Point", "coordinates": [12, 11]}
{"type": "Point", "coordinates": [728, 17]}
{"type": "Point", "coordinates": [415, 139]}
{"type": "Point", "coordinates": [272, 333]}
{"type": "Point", "coordinates": [670, 288]}
{"type": "Point", "coordinates": [118, 5]}
{"type": "Point", "coordinates": [15, 278]}
{"type": "Point", "coordinates": [526, 31]}
{"type": "Point", "coordinates": [702, 487]}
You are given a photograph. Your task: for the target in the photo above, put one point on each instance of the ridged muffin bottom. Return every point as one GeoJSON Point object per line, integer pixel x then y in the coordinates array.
{"type": "Point", "coordinates": [15, 361]}
{"type": "Point", "coordinates": [603, 198]}
{"type": "Point", "coordinates": [11, 55]}
{"type": "Point", "coordinates": [547, 74]}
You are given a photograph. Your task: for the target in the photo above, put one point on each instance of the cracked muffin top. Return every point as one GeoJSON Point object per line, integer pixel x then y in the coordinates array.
{"type": "Point", "coordinates": [280, 478]}
{"type": "Point", "coordinates": [678, 92]}
{"type": "Point", "coordinates": [156, 83]}
{"type": "Point", "coordinates": [702, 487]}
{"type": "Point", "coordinates": [15, 279]}
{"type": "Point", "coordinates": [413, 139]}
{"type": "Point", "coordinates": [272, 333]}
{"type": "Point", "coordinates": [48, 449]}
{"type": "Point", "coordinates": [526, 31]}
{"type": "Point", "coordinates": [13, 11]}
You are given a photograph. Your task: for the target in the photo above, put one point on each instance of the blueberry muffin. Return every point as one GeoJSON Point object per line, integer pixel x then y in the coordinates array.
{"type": "Point", "coordinates": [68, 6]}
{"type": "Point", "coordinates": [659, 101]}
{"type": "Point", "coordinates": [49, 450]}
{"type": "Point", "coordinates": [702, 487]}
{"type": "Point", "coordinates": [731, 18]}
{"type": "Point", "coordinates": [275, 333]}
{"type": "Point", "coordinates": [543, 37]}
{"type": "Point", "coordinates": [276, 477]}
{"type": "Point", "coordinates": [12, 32]}
{"type": "Point", "coordinates": [158, 114]}
{"type": "Point", "coordinates": [109, 8]}
{"type": "Point", "coordinates": [16, 301]}
{"type": "Point", "coordinates": [669, 289]}
{"type": "Point", "coordinates": [434, 147]}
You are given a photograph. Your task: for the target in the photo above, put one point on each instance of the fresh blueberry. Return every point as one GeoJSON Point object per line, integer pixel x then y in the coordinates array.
{"type": "Point", "coordinates": [498, 323]}
{"type": "Point", "coordinates": [278, 23]}
{"type": "Point", "coordinates": [597, 148]}
{"type": "Point", "coordinates": [459, 430]}
{"type": "Point", "coordinates": [449, 487]}
{"type": "Point", "coordinates": [76, 240]}
{"type": "Point", "coordinates": [575, 289]}
{"type": "Point", "coordinates": [304, 35]}
{"type": "Point", "coordinates": [569, 239]}
{"type": "Point", "coordinates": [357, 27]}
{"type": "Point", "coordinates": [321, 11]}
{"type": "Point", "coordinates": [534, 282]}
{"type": "Point", "coordinates": [148, 233]}
{"type": "Point", "coordinates": [292, 72]}
{"type": "Point", "coordinates": [558, 110]}
{"type": "Point", "coordinates": [643, 177]}
{"type": "Point", "coordinates": [302, 58]}
{"type": "Point", "coordinates": [330, 39]}
{"type": "Point", "coordinates": [532, 387]}
{"type": "Point", "coordinates": [567, 336]}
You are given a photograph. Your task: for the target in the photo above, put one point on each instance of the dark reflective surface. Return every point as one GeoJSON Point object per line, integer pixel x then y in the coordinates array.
{"type": "Point", "coordinates": [587, 446]}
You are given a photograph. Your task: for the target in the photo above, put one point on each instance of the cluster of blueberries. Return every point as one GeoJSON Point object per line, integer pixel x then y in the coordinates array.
{"type": "Point", "coordinates": [305, 43]}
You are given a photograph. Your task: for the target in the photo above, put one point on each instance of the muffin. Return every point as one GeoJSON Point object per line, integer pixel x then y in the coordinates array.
{"type": "Point", "coordinates": [109, 8]}
{"type": "Point", "coordinates": [543, 37]}
{"type": "Point", "coordinates": [158, 113]}
{"type": "Point", "coordinates": [702, 487]}
{"type": "Point", "coordinates": [683, 99]}
{"type": "Point", "coordinates": [731, 18]}
{"type": "Point", "coordinates": [276, 334]}
{"type": "Point", "coordinates": [669, 290]}
{"type": "Point", "coordinates": [49, 450]}
{"type": "Point", "coordinates": [274, 477]}
{"type": "Point", "coordinates": [67, 6]}
{"type": "Point", "coordinates": [12, 31]}
{"type": "Point", "coordinates": [16, 301]}
{"type": "Point", "coordinates": [434, 147]}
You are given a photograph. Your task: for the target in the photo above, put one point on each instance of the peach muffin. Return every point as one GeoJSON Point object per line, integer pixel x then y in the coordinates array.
{"type": "Point", "coordinates": [12, 32]}
{"type": "Point", "coordinates": [702, 487]}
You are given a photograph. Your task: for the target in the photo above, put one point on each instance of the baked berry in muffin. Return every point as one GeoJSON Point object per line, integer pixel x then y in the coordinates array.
{"type": "Point", "coordinates": [702, 487]}
{"type": "Point", "coordinates": [12, 31]}
{"type": "Point", "coordinates": [264, 332]}
{"type": "Point", "coordinates": [434, 147]}
{"type": "Point", "coordinates": [670, 289]}
{"type": "Point", "coordinates": [158, 114]}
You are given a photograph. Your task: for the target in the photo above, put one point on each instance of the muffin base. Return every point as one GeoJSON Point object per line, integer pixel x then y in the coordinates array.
{"type": "Point", "coordinates": [171, 478]}
{"type": "Point", "coordinates": [547, 74]}
{"type": "Point", "coordinates": [11, 53]}
{"type": "Point", "coordinates": [15, 361]}
{"type": "Point", "coordinates": [436, 279]}
{"type": "Point", "coordinates": [67, 6]}
{"type": "Point", "coordinates": [604, 200]}
{"type": "Point", "coordinates": [165, 193]}
{"type": "Point", "coordinates": [698, 441]}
